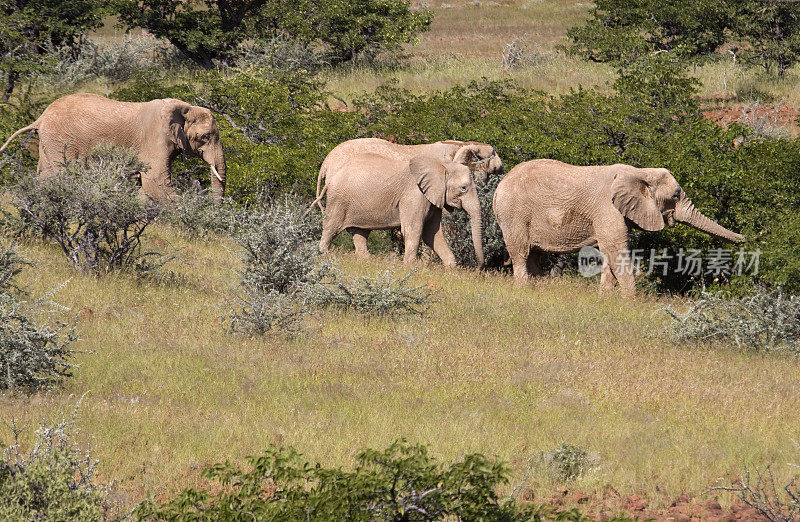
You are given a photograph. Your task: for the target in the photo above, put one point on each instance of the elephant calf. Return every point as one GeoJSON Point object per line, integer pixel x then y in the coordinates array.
{"type": "Point", "coordinates": [373, 192]}
{"type": "Point", "coordinates": [550, 206]}
{"type": "Point", "coordinates": [157, 130]}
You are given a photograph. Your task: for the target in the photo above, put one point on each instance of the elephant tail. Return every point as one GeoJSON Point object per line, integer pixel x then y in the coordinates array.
{"type": "Point", "coordinates": [32, 126]}
{"type": "Point", "coordinates": [320, 189]}
{"type": "Point", "coordinates": [318, 201]}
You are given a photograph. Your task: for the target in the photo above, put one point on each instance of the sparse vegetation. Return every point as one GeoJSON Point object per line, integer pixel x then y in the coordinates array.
{"type": "Point", "coordinates": [379, 296]}
{"type": "Point", "coordinates": [92, 209]}
{"type": "Point", "coordinates": [54, 480]}
{"type": "Point", "coordinates": [35, 354]}
{"type": "Point", "coordinates": [490, 367]}
{"type": "Point", "coordinates": [775, 502]}
{"type": "Point", "coordinates": [766, 320]}
{"type": "Point", "coordinates": [568, 462]}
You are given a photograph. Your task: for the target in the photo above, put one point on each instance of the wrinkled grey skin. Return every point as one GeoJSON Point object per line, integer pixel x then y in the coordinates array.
{"type": "Point", "coordinates": [480, 157]}
{"type": "Point", "coordinates": [371, 192]}
{"type": "Point", "coordinates": [157, 130]}
{"type": "Point", "coordinates": [550, 206]}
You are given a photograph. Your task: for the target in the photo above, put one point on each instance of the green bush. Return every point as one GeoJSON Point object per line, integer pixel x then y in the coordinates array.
{"type": "Point", "coordinates": [53, 481]}
{"type": "Point", "coordinates": [401, 483]}
{"type": "Point", "coordinates": [277, 129]}
{"type": "Point", "coordinates": [568, 462]}
{"type": "Point", "coordinates": [92, 209]}
{"type": "Point", "coordinates": [280, 257]}
{"type": "Point", "coordinates": [34, 354]}
{"type": "Point", "coordinates": [211, 31]}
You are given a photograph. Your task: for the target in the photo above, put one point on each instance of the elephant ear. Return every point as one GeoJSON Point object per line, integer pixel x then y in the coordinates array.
{"type": "Point", "coordinates": [633, 197]}
{"type": "Point", "coordinates": [431, 177]}
{"type": "Point", "coordinates": [173, 114]}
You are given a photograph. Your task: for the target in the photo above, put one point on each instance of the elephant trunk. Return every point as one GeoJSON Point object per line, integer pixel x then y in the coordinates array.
{"type": "Point", "coordinates": [218, 173]}
{"type": "Point", "coordinates": [685, 212]}
{"type": "Point", "coordinates": [472, 207]}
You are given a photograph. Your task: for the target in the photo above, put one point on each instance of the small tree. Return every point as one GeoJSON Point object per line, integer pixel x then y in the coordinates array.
{"type": "Point", "coordinates": [213, 29]}
{"type": "Point", "coordinates": [773, 31]}
{"type": "Point", "coordinates": [29, 27]}
{"type": "Point", "coordinates": [620, 30]}
{"type": "Point", "coordinates": [92, 209]}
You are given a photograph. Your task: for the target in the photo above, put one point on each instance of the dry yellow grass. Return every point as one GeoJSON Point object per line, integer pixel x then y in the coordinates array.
{"type": "Point", "coordinates": [491, 368]}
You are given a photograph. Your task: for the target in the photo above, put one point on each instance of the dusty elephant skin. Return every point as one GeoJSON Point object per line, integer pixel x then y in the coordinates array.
{"type": "Point", "coordinates": [157, 130]}
{"type": "Point", "coordinates": [550, 206]}
{"type": "Point", "coordinates": [480, 157]}
{"type": "Point", "coordinates": [371, 192]}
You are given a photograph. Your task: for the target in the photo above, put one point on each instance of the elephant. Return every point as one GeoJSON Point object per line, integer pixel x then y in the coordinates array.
{"type": "Point", "coordinates": [157, 130]}
{"type": "Point", "coordinates": [371, 192]}
{"type": "Point", "coordinates": [481, 157]}
{"type": "Point", "coordinates": [549, 206]}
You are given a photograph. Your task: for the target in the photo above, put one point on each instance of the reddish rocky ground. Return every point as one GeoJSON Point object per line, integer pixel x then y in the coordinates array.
{"type": "Point", "coordinates": [685, 508]}
{"type": "Point", "coordinates": [777, 115]}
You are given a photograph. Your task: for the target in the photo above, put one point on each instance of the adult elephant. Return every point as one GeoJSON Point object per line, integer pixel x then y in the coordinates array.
{"type": "Point", "coordinates": [157, 130]}
{"type": "Point", "coordinates": [481, 157]}
{"type": "Point", "coordinates": [550, 206]}
{"type": "Point", "coordinates": [371, 192]}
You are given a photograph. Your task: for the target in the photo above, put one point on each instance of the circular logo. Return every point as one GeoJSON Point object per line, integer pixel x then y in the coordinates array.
{"type": "Point", "coordinates": [590, 261]}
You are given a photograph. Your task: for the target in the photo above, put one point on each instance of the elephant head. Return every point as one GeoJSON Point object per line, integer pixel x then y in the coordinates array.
{"type": "Point", "coordinates": [450, 185]}
{"type": "Point", "coordinates": [652, 197]}
{"type": "Point", "coordinates": [193, 130]}
{"type": "Point", "coordinates": [481, 158]}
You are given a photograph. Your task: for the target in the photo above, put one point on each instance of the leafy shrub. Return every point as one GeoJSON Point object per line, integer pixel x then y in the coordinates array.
{"type": "Point", "coordinates": [116, 62]}
{"type": "Point", "coordinates": [767, 320]}
{"type": "Point", "coordinates": [197, 214]}
{"type": "Point", "coordinates": [379, 296]}
{"type": "Point", "coordinates": [34, 355]}
{"type": "Point", "coordinates": [279, 53]}
{"type": "Point", "coordinates": [53, 481]}
{"type": "Point", "coordinates": [280, 257]}
{"type": "Point", "coordinates": [28, 27]}
{"type": "Point", "coordinates": [402, 482]}
{"type": "Point", "coordinates": [568, 462]}
{"type": "Point", "coordinates": [92, 209]}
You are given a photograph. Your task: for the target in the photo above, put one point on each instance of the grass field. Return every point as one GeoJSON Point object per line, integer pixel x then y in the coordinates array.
{"type": "Point", "coordinates": [491, 368]}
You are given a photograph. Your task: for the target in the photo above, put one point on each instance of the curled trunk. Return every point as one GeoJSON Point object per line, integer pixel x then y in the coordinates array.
{"type": "Point", "coordinates": [685, 212]}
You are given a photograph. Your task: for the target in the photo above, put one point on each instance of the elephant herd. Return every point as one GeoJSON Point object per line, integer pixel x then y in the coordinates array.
{"type": "Point", "coordinates": [371, 184]}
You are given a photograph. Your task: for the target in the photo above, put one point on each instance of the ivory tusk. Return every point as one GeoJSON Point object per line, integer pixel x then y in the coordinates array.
{"type": "Point", "coordinates": [214, 170]}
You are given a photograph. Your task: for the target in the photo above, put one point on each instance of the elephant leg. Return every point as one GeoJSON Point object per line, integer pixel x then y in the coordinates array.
{"type": "Point", "coordinates": [607, 279]}
{"type": "Point", "coordinates": [534, 263]}
{"type": "Point", "coordinates": [360, 236]}
{"type": "Point", "coordinates": [159, 185]}
{"type": "Point", "coordinates": [620, 265]}
{"type": "Point", "coordinates": [331, 226]}
{"type": "Point", "coordinates": [433, 237]}
{"type": "Point", "coordinates": [412, 236]}
{"type": "Point", "coordinates": [520, 266]}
